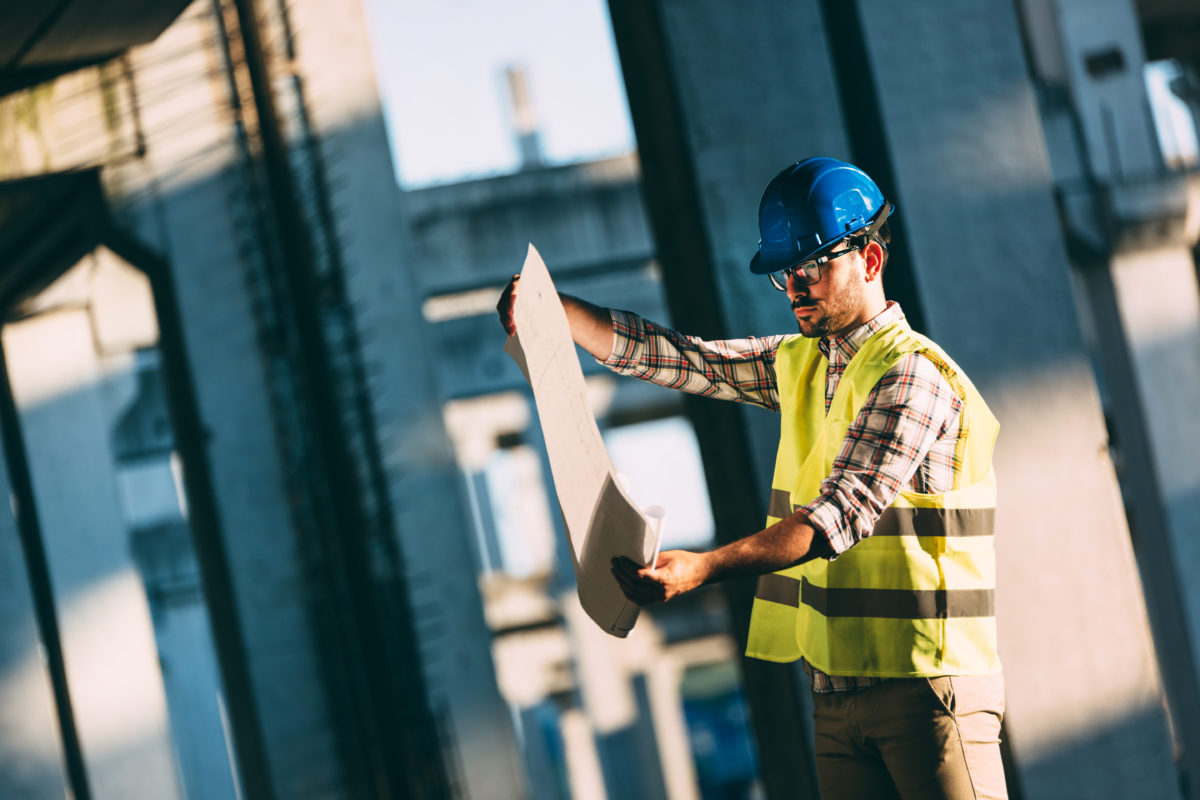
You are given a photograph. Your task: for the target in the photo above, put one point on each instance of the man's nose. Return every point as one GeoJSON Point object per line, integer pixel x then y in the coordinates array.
{"type": "Point", "coordinates": [797, 285]}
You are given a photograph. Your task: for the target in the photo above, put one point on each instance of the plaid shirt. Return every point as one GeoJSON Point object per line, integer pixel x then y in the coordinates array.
{"type": "Point", "coordinates": [903, 437]}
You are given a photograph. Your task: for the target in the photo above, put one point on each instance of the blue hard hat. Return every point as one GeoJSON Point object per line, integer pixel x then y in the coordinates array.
{"type": "Point", "coordinates": [811, 206]}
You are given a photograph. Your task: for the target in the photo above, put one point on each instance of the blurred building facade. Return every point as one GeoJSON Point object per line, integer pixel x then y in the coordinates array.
{"type": "Point", "coordinates": [260, 437]}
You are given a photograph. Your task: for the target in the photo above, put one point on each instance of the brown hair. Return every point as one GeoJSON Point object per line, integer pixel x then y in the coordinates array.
{"type": "Point", "coordinates": [884, 237]}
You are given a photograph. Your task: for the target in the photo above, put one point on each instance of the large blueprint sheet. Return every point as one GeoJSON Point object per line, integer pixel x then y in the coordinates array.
{"type": "Point", "coordinates": [601, 520]}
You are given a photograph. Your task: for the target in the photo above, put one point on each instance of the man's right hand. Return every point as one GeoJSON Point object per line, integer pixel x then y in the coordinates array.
{"type": "Point", "coordinates": [504, 308]}
{"type": "Point", "coordinates": [591, 326]}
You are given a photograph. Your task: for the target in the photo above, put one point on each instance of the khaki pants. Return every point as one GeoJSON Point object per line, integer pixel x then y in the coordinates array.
{"type": "Point", "coordinates": [912, 739]}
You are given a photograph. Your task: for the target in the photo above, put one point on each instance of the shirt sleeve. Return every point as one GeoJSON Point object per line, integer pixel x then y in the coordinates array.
{"type": "Point", "coordinates": [742, 370]}
{"type": "Point", "coordinates": [910, 410]}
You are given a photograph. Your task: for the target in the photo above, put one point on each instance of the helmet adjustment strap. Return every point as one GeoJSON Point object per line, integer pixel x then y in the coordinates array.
{"type": "Point", "coordinates": [867, 235]}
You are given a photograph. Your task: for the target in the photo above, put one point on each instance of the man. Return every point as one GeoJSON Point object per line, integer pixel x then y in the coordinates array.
{"type": "Point", "coordinates": [876, 564]}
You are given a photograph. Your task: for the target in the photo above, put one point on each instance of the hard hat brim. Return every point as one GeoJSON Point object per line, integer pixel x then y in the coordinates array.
{"type": "Point", "coordinates": [764, 266]}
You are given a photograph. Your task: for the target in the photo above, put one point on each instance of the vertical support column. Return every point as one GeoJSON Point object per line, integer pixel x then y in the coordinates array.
{"type": "Point", "coordinates": [976, 206]}
{"type": "Point", "coordinates": [1149, 343]}
{"type": "Point", "coordinates": [722, 98]}
{"type": "Point", "coordinates": [383, 756]}
{"type": "Point", "coordinates": [38, 570]}
{"type": "Point", "coordinates": [1133, 225]}
{"type": "Point", "coordinates": [332, 58]}
{"type": "Point", "coordinates": [253, 772]}
{"type": "Point", "coordinates": [613, 687]}
{"type": "Point", "coordinates": [33, 762]}
{"type": "Point", "coordinates": [664, 704]}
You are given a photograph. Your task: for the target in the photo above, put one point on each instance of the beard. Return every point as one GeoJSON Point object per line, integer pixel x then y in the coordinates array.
{"type": "Point", "coordinates": [837, 311]}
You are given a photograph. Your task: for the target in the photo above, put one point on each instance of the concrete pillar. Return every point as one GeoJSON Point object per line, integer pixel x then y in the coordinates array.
{"type": "Point", "coordinates": [543, 751]}
{"type": "Point", "coordinates": [66, 410]}
{"type": "Point", "coordinates": [937, 102]}
{"type": "Point", "coordinates": [189, 201]}
{"type": "Point", "coordinates": [1143, 305]}
{"type": "Point", "coordinates": [1159, 304]}
{"type": "Point", "coordinates": [333, 58]}
{"type": "Point", "coordinates": [974, 192]}
{"type": "Point", "coordinates": [629, 689]}
{"type": "Point", "coordinates": [584, 775]}
{"type": "Point", "coordinates": [149, 476]}
{"type": "Point", "coordinates": [1132, 226]}
{"type": "Point", "coordinates": [31, 757]}
{"type": "Point", "coordinates": [722, 97]}
{"type": "Point", "coordinates": [664, 704]}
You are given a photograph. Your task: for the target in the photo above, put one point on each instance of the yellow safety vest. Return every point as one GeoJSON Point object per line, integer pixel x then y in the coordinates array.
{"type": "Point", "coordinates": [916, 598]}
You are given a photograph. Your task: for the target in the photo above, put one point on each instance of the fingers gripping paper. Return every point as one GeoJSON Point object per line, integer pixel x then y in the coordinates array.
{"type": "Point", "coordinates": [601, 521]}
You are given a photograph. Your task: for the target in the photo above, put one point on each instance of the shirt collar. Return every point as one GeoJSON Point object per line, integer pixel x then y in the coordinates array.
{"type": "Point", "coordinates": [842, 348]}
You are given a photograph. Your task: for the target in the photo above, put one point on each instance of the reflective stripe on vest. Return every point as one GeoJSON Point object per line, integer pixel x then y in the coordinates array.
{"type": "Point", "coordinates": [910, 521]}
{"type": "Point", "coordinates": [917, 596]}
{"type": "Point", "coordinates": [883, 603]}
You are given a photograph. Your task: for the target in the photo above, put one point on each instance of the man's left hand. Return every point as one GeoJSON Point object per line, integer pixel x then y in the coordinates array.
{"type": "Point", "coordinates": [675, 572]}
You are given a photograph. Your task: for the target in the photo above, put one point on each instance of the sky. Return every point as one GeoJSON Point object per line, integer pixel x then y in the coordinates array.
{"type": "Point", "coordinates": [442, 72]}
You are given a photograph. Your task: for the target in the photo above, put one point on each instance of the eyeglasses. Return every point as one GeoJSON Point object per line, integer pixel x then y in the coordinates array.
{"type": "Point", "coordinates": [809, 272]}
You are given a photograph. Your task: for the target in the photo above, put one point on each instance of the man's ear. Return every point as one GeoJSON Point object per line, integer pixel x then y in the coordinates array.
{"type": "Point", "coordinates": [873, 256]}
